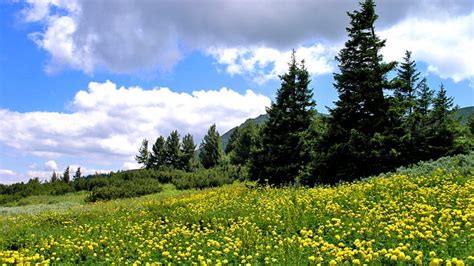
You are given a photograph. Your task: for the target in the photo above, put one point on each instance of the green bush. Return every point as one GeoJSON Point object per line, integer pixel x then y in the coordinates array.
{"type": "Point", "coordinates": [118, 189]}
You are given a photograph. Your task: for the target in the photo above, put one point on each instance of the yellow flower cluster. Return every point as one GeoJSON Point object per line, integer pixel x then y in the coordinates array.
{"type": "Point", "coordinates": [395, 220]}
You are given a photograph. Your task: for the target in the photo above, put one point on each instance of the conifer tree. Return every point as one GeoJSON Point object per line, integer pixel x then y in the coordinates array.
{"type": "Point", "coordinates": [157, 155]}
{"type": "Point", "coordinates": [281, 156]}
{"type": "Point", "coordinates": [211, 148]}
{"type": "Point", "coordinates": [78, 174]}
{"type": "Point", "coordinates": [407, 78]}
{"type": "Point", "coordinates": [245, 141]}
{"type": "Point", "coordinates": [444, 125]}
{"type": "Point", "coordinates": [54, 177]}
{"type": "Point", "coordinates": [232, 140]}
{"type": "Point", "coordinates": [356, 143]}
{"type": "Point", "coordinates": [143, 155]}
{"type": "Point", "coordinates": [172, 150]}
{"type": "Point", "coordinates": [66, 175]}
{"type": "Point", "coordinates": [188, 149]}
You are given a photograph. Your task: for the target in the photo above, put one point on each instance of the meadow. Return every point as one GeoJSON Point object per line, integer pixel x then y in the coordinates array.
{"type": "Point", "coordinates": [403, 218]}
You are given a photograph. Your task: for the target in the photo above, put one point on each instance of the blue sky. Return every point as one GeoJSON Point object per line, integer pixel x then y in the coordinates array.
{"type": "Point", "coordinates": [81, 83]}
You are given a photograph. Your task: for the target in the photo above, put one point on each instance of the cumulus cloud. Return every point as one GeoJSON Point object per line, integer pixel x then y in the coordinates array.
{"type": "Point", "coordinates": [263, 64]}
{"type": "Point", "coordinates": [128, 36]}
{"type": "Point", "coordinates": [108, 123]}
{"type": "Point", "coordinates": [50, 165]}
{"type": "Point", "coordinates": [446, 44]}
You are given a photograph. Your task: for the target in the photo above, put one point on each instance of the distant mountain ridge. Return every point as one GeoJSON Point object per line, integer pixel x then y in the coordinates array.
{"type": "Point", "coordinates": [462, 113]}
{"type": "Point", "coordinates": [257, 121]}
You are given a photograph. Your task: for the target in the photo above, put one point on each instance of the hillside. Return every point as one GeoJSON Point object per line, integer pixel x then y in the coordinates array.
{"type": "Point", "coordinates": [257, 120]}
{"type": "Point", "coordinates": [400, 219]}
{"type": "Point", "coordinates": [464, 113]}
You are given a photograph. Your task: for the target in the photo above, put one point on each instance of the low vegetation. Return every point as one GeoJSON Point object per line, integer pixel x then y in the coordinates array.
{"type": "Point", "coordinates": [407, 217]}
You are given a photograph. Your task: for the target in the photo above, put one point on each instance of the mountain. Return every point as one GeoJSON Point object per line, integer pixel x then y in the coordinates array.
{"type": "Point", "coordinates": [464, 113]}
{"type": "Point", "coordinates": [257, 120]}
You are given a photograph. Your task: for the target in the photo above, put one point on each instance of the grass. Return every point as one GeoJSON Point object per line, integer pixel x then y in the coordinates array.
{"type": "Point", "coordinates": [397, 219]}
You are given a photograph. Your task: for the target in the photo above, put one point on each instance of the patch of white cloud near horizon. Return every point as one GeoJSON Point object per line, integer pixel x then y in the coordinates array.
{"type": "Point", "coordinates": [263, 64]}
{"type": "Point", "coordinates": [445, 44]}
{"type": "Point", "coordinates": [108, 123]}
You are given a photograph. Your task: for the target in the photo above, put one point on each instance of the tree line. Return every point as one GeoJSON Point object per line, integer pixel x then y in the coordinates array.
{"type": "Point", "coordinates": [377, 124]}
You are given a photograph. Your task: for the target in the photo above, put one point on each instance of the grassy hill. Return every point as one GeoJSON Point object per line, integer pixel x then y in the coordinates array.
{"type": "Point", "coordinates": [423, 216]}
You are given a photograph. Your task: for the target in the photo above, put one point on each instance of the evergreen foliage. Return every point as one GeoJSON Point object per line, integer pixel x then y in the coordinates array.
{"type": "Point", "coordinates": [281, 156]}
{"type": "Point", "coordinates": [188, 150]}
{"type": "Point", "coordinates": [356, 142]}
{"type": "Point", "coordinates": [157, 155]}
{"type": "Point", "coordinates": [78, 174]}
{"type": "Point", "coordinates": [211, 148]}
{"type": "Point", "coordinates": [143, 155]}
{"type": "Point", "coordinates": [66, 175]}
{"type": "Point", "coordinates": [172, 150]}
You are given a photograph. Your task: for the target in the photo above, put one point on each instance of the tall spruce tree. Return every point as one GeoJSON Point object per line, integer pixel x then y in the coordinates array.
{"type": "Point", "coordinates": [188, 150]}
{"type": "Point", "coordinates": [54, 177]}
{"type": "Point", "coordinates": [405, 91]}
{"type": "Point", "coordinates": [172, 150]}
{"type": "Point", "coordinates": [356, 143]}
{"type": "Point", "coordinates": [210, 153]}
{"type": "Point", "coordinates": [66, 175]}
{"type": "Point", "coordinates": [143, 155]}
{"type": "Point", "coordinates": [281, 156]}
{"type": "Point", "coordinates": [444, 125]}
{"type": "Point", "coordinates": [157, 155]}
{"type": "Point", "coordinates": [78, 174]}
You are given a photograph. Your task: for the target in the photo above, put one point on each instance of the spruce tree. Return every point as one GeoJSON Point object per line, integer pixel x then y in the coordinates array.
{"type": "Point", "coordinates": [210, 153]}
{"type": "Point", "coordinates": [407, 78]}
{"type": "Point", "coordinates": [78, 174]}
{"type": "Point", "coordinates": [356, 143]}
{"type": "Point", "coordinates": [281, 156]}
{"type": "Point", "coordinates": [245, 141]}
{"type": "Point", "coordinates": [172, 150]}
{"type": "Point", "coordinates": [54, 177]}
{"type": "Point", "coordinates": [232, 140]}
{"type": "Point", "coordinates": [444, 125]}
{"type": "Point", "coordinates": [143, 155]}
{"type": "Point", "coordinates": [188, 149]}
{"type": "Point", "coordinates": [157, 155]}
{"type": "Point", "coordinates": [66, 175]}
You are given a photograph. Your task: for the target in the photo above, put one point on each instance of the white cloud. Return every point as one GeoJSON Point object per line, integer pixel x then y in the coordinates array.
{"type": "Point", "coordinates": [130, 36]}
{"type": "Point", "coordinates": [50, 165]}
{"type": "Point", "coordinates": [7, 172]}
{"type": "Point", "coordinates": [446, 44]}
{"type": "Point", "coordinates": [263, 64]}
{"type": "Point", "coordinates": [108, 123]}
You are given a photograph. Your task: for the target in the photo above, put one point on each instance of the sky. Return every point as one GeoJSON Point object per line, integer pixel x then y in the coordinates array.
{"type": "Point", "coordinates": [83, 82]}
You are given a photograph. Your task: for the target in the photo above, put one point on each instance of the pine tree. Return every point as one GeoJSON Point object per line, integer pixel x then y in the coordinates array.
{"type": "Point", "coordinates": [66, 175]}
{"type": "Point", "coordinates": [407, 78]}
{"type": "Point", "coordinates": [172, 150]}
{"type": "Point", "coordinates": [188, 150]}
{"type": "Point", "coordinates": [54, 177]}
{"type": "Point", "coordinates": [356, 143]}
{"type": "Point", "coordinates": [143, 155]}
{"type": "Point", "coordinates": [444, 125]}
{"type": "Point", "coordinates": [78, 174]}
{"type": "Point", "coordinates": [281, 156]}
{"type": "Point", "coordinates": [157, 155]}
{"type": "Point", "coordinates": [232, 140]}
{"type": "Point", "coordinates": [246, 140]}
{"type": "Point", "coordinates": [211, 148]}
